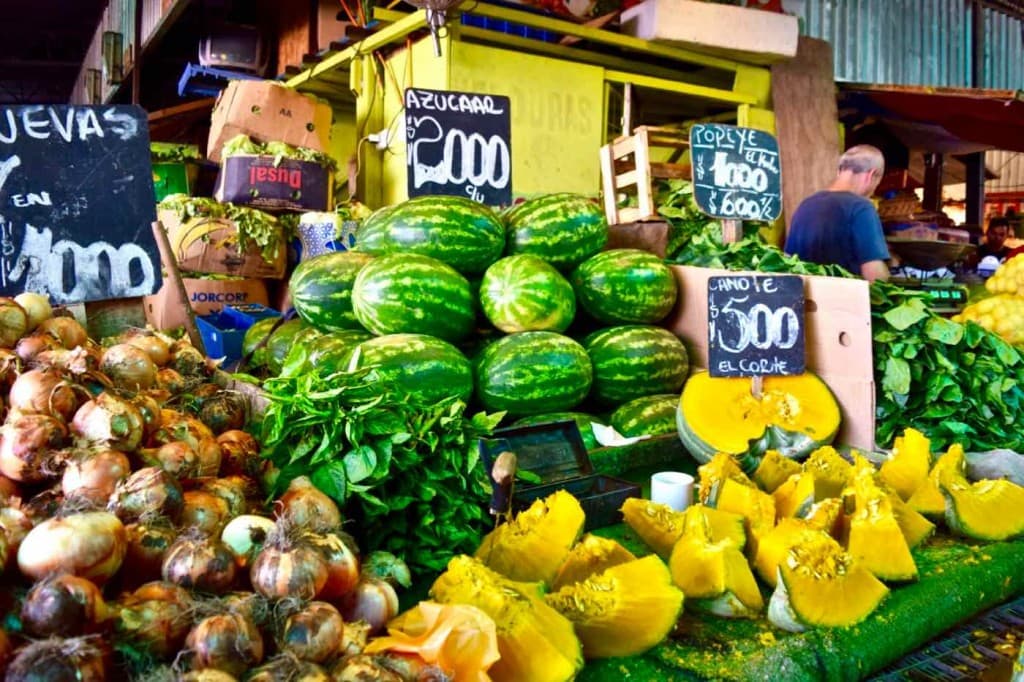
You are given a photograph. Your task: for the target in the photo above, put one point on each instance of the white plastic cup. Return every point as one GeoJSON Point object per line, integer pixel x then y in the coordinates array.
{"type": "Point", "coordinates": [673, 488]}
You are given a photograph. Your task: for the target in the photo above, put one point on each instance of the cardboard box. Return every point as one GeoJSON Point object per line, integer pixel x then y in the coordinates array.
{"type": "Point", "coordinates": [837, 333]}
{"type": "Point", "coordinates": [749, 35]}
{"type": "Point", "coordinates": [210, 246]}
{"type": "Point", "coordinates": [206, 296]}
{"type": "Point", "coordinates": [257, 181]}
{"type": "Point", "coordinates": [268, 112]}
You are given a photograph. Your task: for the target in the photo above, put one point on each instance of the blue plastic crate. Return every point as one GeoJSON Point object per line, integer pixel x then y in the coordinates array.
{"type": "Point", "coordinates": [510, 28]}
{"type": "Point", "coordinates": [222, 336]}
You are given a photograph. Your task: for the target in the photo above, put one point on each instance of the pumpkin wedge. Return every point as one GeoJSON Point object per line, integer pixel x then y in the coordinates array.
{"type": "Point", "coordinates": [874, 538]}
{"type": "Point", "coordinates": [755, 506]}
{"type": "Point", "coordinates": [827, 515]}
{"type": "Point", "coordinates": [907, 468]}
{"type": "Point", "coordinates": [659, 526]}
{"type": "Point", "coordinates": [794, 415]}
{"type": "Point", "coordinates": [983, 510]}
{"type": "Point", "coordinates": [831, 472]}
{"type": "Point", "coordinates": [774, 470]}
{"type": "Point", "coordinates": [591, 555]}
{"type": "Point", "coordinates": [775, 545]}
{"type": "Point", "coordinates": [915, 527]}
{"type": "Point", "coordinates": [820, 585]}
{"type": "Point", "coordinates": [795, 497]}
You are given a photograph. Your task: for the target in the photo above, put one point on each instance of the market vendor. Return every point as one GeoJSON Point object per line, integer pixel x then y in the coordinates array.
{"type": "Point", "coordinates": [839, 225]}
{"type": "Point", "coordinates": [995, 239]}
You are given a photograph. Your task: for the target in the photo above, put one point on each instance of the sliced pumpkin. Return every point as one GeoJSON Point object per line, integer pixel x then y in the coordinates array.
{"type": "Point", "coordinates": [755, 506]}
{"type": "Point", "coordinates": [659, 526]}
{"type": "Point", "coordinates": [983, 510]}
{"type": "Point", "coordinates": [775, 545]}
{"type": "Point", "coordinates": [831, 472]}
{"type": "Point", "coordinates": [915, 527]}
{"type": "Point", "coordinates": [719, 468]}
{"type": "Point", "coordinates": [874, 538]}
{"type": "Point", "coordinates": [826, 515]}
{"type": "Point", "coordinates": [795, 497]}
{"type": "Point", "coordinates": [590, 556]}
{"type": "Point", "coordinates": [715, 576]}
{"type": "Point", "coordinates": [535, 641]}
{"type": "Point", "coordinates": [774, 470]}
{"type": "Point", "coordinates": [794, 415]}
{"type": "Point", "coordinates": [820, 585]}
{"type": "Point", "coordinates": [928, 499]}
{"type": "Point", "coordinates": [907, 468]}
{"type": "Point", "coordinates": [534, 545]}
{"type": "Point", "coordinates": [622, 611]}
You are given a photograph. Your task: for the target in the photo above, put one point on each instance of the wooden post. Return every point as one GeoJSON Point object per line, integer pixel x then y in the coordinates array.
{"type": "Point", "coordinates": [179, 296]}
{"type": "Point", "coordinates": [732, 231]}
{"type": "Point", "coordinates": [627, 109]}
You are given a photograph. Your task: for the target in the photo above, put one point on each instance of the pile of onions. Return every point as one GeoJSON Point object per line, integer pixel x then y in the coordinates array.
{"type": "Point", "coordinates": [129, 367]}
{"type": "Point", "coordinates": [200, 562]}
{"type": "Point", "coordinates": [109, 420]}
{"type": "Point", "coordinates": [64, 605]}
{"type": "Point", "coordinates": [228, 642]}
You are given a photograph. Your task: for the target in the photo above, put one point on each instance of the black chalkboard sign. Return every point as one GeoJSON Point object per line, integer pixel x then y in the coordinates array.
{"type": "Point", "coordinates": [735, 172]}
{"type": "Point", "coordinates": [755, 325]}
{"type": "Point", "coordinates": [459, 143]}
{"type": "Point", "coordinates": [76, 203]}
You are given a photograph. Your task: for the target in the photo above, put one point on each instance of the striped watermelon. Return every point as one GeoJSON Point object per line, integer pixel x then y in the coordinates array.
{"type": "Point", "coordinates": [524, 293]}
{"type": "Point", "coordinates": [632, 361]}
{"type": "Point", "coordinates": [254, 336]}
{"type": "Point", "coordinates": [460, 232]}
{"type": "Point", "coordinates": [564, 229]}
{"type": "Point", "coordinates": [321, 289]}
{"type": "Point", "coordinates": [330, 353]}
{"type": "Point", "coordinates": [625, 286]}
{"type": "Point", "coordinates": [282, 340]}
{"type": "Point", "coordinates": [423, 367]}
{"type": "Point", "coordinates": [651, 415]}
{"type": "Point", "coordinates": [583, 421]}
{"type": "Point", "coordinates": [409, 293]}
{"type": "Point", "coordinates": [533, 373]}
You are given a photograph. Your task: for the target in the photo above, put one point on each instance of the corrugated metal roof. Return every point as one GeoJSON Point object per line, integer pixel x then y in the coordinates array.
{"type": "Point", "coordinates": [913, 42]}
{"type": "Point", "coordinates": [1010, 168]}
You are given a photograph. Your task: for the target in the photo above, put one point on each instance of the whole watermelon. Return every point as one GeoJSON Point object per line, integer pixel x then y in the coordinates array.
{"type": "Point", "coordinates": [424, 368]}
{"type": "Point", "coordinates": [632, 361]}
{"type": "Point", "coordinates": [533, 373]}
{"type": "Point", "coordinates": [458, 231]}
{"type": "Point", "coordinates": [330, 352]}
{"type": "Point", "coordinates": [564, 229]}
{"type": "Point", "coordinates": [582, 419]}
{"type": "Point", "coordinates": [254, 336]}
{"type": "Point", "coordinates": [625, 286]}
{"type": "Point", "coordinates": [282, 340]}
{"type": "Point", "coordinates": [321, 289]}
{"type": "Point", "coordinates": [651, 415]}
{"type": "Point", "coordinates": [413, 294]}
{"type": "Point", "coordinates": [524, 293]}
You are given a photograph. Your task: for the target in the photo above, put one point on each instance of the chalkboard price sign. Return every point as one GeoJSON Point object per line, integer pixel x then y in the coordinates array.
{"type": "Point", "coordinates": [755, 325]}
{"type": "Point", "coordinates": [735, 172]}
{"type": "Point", "coordinates": [459, 143]}
{"type": "Point", "coordinates": [76, 203]}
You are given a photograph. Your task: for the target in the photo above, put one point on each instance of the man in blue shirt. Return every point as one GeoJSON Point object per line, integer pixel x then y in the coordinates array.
{"type": "Point", "coordinates": [839, 225]}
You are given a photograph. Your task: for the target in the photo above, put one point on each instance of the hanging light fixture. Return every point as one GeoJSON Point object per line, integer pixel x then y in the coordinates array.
{"type": "Point", "coordinates": [436, 17]}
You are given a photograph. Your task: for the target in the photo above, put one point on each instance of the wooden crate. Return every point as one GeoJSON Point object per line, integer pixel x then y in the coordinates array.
{"type": "Point", "coordinates": [626, 167]}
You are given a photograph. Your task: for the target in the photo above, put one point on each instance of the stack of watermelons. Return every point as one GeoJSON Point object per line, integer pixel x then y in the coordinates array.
{"type": "Point", "coordinates": [522, 312]}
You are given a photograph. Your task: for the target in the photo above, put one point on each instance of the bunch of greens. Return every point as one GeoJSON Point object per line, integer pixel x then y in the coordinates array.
{"type": "Point", "coordinates": [707, 250]}
{"type": "Point", "coordinates": [253, 226]}
{"type": "Point", "coordinates": [281, 151]}
{"type": "Point", "coordinates": [408, 476]}
{"type": "Point", "coordinates": [169, 152]}
{"type": "Point", "coordinates": [956, 383]}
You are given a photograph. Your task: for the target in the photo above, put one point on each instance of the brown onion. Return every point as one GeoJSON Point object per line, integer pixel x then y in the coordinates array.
{"type": "Point", "coordinates": [111, 421]}
{"type": "Point", "coordinates": [36, 306]}
{"type": "Point", "coordinates": [67, 329]}
{"type": "Point", "coordinates": [285, 668]}
{"type": "Point", "coordinates": [43, 391]}
{"type": "Point", "coordinates": [363, 667]}
{"type": "Point", "coordinates": [91, 545]}
{"type": "Point", "coordinates": [13, 322]}
{"type": "Point", "coordinates": [14, 526]}
{"type": "Point", "coordinates": [79, 361]}
{"type": "Point", "coordinates": [176, 426]}
{"type": "Point", "coordinates": [149, 408]}
{"type": "Point", "coordinates": [312, 633]}
{"type": "Point", "coordinates": [169, 380]}
{"type": "Point", "coordinates": [229, 642]}
{"type": "Point", "coordinates": [176, 458]}
{"type": "Point", "coordinates": [240, 453]}
{"type": "Point", "coordinates": [9, 490]}
{"type": "Point", "coordinates": [150, 490]}
{"type": "Point", "coordinates": [225, 411]}
{"type": "Point", "coordinates": [201, 563]}
{"type": "Point", "coordinates": [186, 359]}
{"type": "Point", "coordinates": [27, 448]}
{"type": "Point", "coordinates": [148, 542]}
{"type": "Point", "coordinates": [31, 347]}
{"type": "Point", "coordinates": [129, 367]}
{"type": "Point", "coordinates": [339, 552]}
{"type": "Point", "coordinates": [47, 503]}
{"type": "Point", "coordinates": [234, 490]}
{"type": "Point", "coordinates": [76, 659]}
{"type": "Point", "coordinates": [372, 601]}
{"type": "Point", "coordinates": [94, 475]}
{"type": "Point", "coordinates": [64, 605]}
{"type": "Point", "coordinates": [155, 347]}
{"type": "Point", "coordinates": [205, 512]}
{"type": "Point", "coordinates": [156, 617]}
{"type": "Point", "coordinates": [354, 638]}
{"type": "Point", "coordinates": [207, 675]}
{"type": "Point", "coordinates": [245, 536]}
{"type": "Point", "coordinates": [286, 568]}
{"type": "Point", "coordinates": [304, 506]}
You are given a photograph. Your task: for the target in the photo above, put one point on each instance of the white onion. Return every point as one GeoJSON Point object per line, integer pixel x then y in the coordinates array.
{"type": "Point", "coordinates": [36, 306]}
{"type": "Point", "coordinates": [129, 367]}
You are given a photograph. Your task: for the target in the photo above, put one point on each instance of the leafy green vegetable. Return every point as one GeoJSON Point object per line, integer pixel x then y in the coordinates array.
{"type": "Point", "coordinates": [409, 476]}
{"type": "Point", "coordinates": [169, 152]}
{"type": "Point", "coordinates": [244, 145]}
{"type": "Point", "coordinates": [260, 228]}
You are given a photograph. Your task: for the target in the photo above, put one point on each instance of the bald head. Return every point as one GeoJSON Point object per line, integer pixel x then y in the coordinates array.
{"type": "Point", "coordinates": [860, 170]}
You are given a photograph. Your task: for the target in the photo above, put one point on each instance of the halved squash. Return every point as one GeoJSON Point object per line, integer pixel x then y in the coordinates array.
{"type": "Point", "coordinates": [775, 545]}
{"type": "Point", "coordinates": [535, 641]}
{"type": "Point", "coordinates": [659, 526]}
{"type": "Point", "coordinates": [794, 415]}
{"type": "Point", "coordinates": [590, 556]}
{"type": "Point", "coordinates": [831, 472]}
{"type": "Point", "coordinates": [874, 538]}
{"type": "Point", "coordinates": [907, 468]}
{"type": "Point", "coordinates": [774, 470]}
{"type": "Point", "coordinates": [622, 611]}
{"type": "Point", "coordinates": [821, 585]}
{"type": "Point", "coordinates": [795, 497]}
{"type": "Point", "coordinates": [714, 576]}
{"type": "Point", "coordinates": [983, 510]}
{"type": "Point", "coordinates": [755, 506]}
{"type": "Point", "coordinates": [534, 545]}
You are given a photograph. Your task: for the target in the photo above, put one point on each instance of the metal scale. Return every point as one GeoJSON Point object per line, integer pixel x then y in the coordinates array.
{"type": "Point", "coordinates": [932, 267]}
